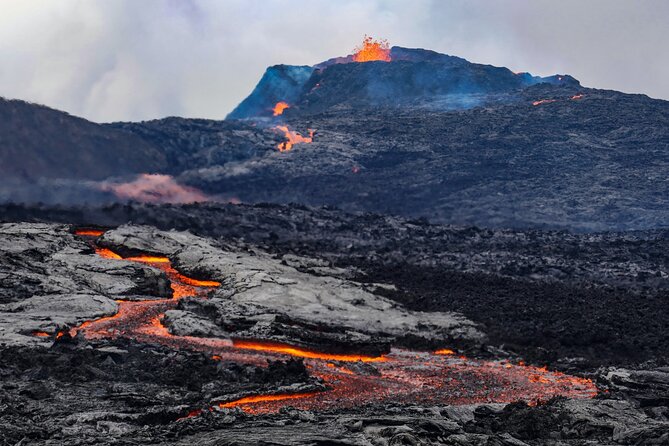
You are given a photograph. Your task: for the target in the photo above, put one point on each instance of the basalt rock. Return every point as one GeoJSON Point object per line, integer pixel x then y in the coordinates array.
{"type": "Point", "coordinates": [576, 290]}
{"type": "Point", "coordinates": [51, 281]}
{"type": "Point", "coordinates": [261, 297]}
{"type": "Point", "coordinates": [122, 392]}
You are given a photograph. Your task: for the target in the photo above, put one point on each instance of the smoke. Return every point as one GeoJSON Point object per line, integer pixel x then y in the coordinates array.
{"type": "Point", "coordinates": [155, 188]}
{"type": "Point", "coordinates": [144, 188]}
{"type": "Point", "coordinates": [130, 60]}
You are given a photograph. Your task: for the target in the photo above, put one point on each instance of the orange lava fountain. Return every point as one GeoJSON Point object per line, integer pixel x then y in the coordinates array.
{"type": "Point", "coordinates": [280, 107]}
{"type": "Point", "coordinates": [400, 377]}
{"type": "Point", "coordinates": [293, 138]}
{"type": "Point", "coordinates": [372, 50]}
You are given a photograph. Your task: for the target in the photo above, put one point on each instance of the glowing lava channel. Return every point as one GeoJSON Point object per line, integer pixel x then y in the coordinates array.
{"type": "Point", "coordinates": [302, 353]}
{"type": "Point", "coordinates": [401, 377]}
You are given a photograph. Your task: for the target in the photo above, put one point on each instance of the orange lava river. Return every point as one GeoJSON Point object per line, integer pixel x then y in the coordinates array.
{"type": "Point", "coordinates": [353, 380]}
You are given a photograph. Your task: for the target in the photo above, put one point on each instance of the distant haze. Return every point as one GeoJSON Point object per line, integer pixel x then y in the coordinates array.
{"type": "Point", "coordinates": [135, 60]}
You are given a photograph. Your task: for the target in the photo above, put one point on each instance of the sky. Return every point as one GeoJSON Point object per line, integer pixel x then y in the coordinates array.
{"type": "Point", "coordinates": [130, 60]}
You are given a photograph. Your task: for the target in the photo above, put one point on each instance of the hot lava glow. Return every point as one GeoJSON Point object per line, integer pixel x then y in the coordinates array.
{"type": "Point", "coordinates": [301, 353]}
{"type": "Point", "coordinates": [292, 138]}
{"type": "Point", "coordinates": [107, 254]}
{"type": "Point", "coordinates": [543, 101]}
{"type": "Point", "coordinates": [352, 380]}
{"type": "Point", "coordinates": [89, 232]}
{"type": "Point", "coordinates": [372, 50]}
{"type": "Point", "coordinates": [264, 399]}
{"type": "Point", "coordinates": [444, 351]}
{"type": "Point", "coordinates": [280, 107]}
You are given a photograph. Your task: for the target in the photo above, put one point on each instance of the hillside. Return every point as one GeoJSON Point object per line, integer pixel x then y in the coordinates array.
{"type": "Point", "coordinates": [40, 142]}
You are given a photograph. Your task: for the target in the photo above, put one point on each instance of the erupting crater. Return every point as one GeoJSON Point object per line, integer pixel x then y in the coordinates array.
{"type": "Point", "coordinates": [372, 50]}
{"type": "Point", "coordinates": [352, 380]}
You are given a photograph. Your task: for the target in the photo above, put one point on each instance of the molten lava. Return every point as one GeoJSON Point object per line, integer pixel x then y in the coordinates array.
{"type": "Point", "coordinates": [89, 232]}
{"type": "Point", "coordinates": [444, 351]}
{"type": "Point", "coordinates": [293, 138]}
{"type": "Point", "coordinates": [543, 101]}
{"type": "Point", "coordinates": [400, 377]}
{"type": "Point", "coordinates": [107, 254]}
{"type": "Point", "coordinates": [301, 353]}
{"type": "Point", "coordinates": [280, 107]}
{"type": "Point", "coordinates": [148, 259]}
{"type": "Point", "coordinates": [265, 398]}
{"type": "Point", "coordinates": [372, 50]}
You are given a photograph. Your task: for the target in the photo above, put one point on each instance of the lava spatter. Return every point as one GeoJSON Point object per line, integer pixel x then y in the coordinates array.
{"type": "Point", "coordinates": [351, 380]}
{"type": "Point", "coordinates": [372, 50]}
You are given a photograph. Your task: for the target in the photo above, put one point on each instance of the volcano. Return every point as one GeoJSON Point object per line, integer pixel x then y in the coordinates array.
{"type": "Point", "coordinates": [401, 77]}
{"type": "Point", "coordinates": [407, 132]}
{"type": "Point", "coordinates": [345, 297]}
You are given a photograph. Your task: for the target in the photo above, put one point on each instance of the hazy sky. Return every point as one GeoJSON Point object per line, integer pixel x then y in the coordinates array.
{"type": "Point", "coordinates": [130, 60]}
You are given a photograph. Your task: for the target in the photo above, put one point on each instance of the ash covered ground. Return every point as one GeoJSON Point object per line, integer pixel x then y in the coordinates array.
{"type": "Point", "coordinates": [535, 320]}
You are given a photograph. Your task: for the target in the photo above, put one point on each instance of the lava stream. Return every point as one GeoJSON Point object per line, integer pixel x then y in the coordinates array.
{"type": "Point", "coordinates": [402, 376]}
{"type": "Point", "coordinates": [302, 353]}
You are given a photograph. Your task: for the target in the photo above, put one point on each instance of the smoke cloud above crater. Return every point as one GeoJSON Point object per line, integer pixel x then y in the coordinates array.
{"type": "Point", "coordinates": [130, 60]}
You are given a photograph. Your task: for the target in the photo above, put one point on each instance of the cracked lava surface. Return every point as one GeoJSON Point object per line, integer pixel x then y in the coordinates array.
{"type": "Point", "coordinates": [352, 380]}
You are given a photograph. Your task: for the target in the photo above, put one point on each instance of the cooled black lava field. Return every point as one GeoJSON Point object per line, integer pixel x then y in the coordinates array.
{"type": "Point", "coordinates": [592, 312]}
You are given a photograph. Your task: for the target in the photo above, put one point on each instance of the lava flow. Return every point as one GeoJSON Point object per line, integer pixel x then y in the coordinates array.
{"type": "Point", "coordinates": [544, 101]}
{"type": "Point", "coordinates": [352, 380]}
{"type": "Point", "coordinates": [302, 353]}
{"type": "Point", "coordinates": [280, 107]}
{"type": "Point", "coordinates": [293, 138]}
{"type": "Point", "coordinates": [372, 50]}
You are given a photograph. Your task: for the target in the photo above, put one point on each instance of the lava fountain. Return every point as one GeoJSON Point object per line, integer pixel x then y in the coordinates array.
{"type": "Point", "coordinates": [352, 380]}
{"type": "Point", "coordinates": [372, 50]}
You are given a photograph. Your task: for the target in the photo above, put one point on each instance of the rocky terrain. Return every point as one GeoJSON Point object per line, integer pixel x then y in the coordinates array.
{"type": "Point", "coordinates": [320, 280]}
{"type": "Point", "coordinates": [38, 142]}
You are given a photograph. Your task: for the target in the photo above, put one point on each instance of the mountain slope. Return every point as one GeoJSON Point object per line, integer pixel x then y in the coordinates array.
{"type": "Point", "coordinates": [39, 142]}
{"type": "Point", "coordinates": [590, 160]}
